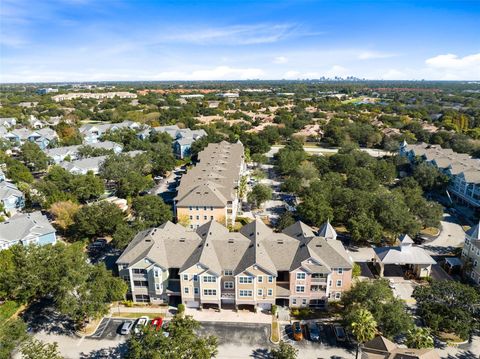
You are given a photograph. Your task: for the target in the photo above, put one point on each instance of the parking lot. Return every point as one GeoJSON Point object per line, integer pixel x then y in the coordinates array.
{"type": "Point", "coordinates": [109, 328]}
{"type": "Point", "coordinates": [327, 340]}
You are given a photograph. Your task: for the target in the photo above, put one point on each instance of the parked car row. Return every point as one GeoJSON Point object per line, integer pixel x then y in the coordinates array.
{"type": "Point", "coordinates": [311, 331]}
{"type": "Point", "coordinates": [138, 325]}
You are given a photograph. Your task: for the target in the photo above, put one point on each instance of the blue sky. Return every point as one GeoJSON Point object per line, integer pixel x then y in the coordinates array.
{"type": "Point", "coordinates": [94, 40]}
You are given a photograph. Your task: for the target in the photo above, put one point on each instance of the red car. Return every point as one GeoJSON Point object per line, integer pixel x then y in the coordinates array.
{"type": "Point", "coordinates": [157, 323]}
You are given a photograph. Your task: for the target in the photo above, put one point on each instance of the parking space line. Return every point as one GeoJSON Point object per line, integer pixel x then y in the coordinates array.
{"type": "Point", "coordinates": [101, 328]}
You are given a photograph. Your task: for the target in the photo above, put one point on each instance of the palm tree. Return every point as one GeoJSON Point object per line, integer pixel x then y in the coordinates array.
{"type": "Point", "coordinates": [419, 338]}
{"type": "Point", "coordinates": [363, 326]}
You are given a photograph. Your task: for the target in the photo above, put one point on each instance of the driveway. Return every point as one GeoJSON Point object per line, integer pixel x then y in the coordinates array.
{"type": "Point", "coordinates": [452, 236]}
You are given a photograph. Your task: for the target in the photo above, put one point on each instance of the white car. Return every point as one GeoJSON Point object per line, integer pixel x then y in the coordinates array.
{"type": "Point", "coordinates": [126, 327]}
{"type": "Point", "coordinates": [141, 322]}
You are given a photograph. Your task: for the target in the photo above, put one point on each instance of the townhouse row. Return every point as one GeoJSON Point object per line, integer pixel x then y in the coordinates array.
{"type": "Point", "coordinates": [254, 268]}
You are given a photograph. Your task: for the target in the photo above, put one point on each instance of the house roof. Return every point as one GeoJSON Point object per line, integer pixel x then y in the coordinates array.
{"type": "Point", "coordinates": [217, 249]}
{"type": "Point", "coordinates": [23, 227]}
{"type": "Point", "coordinates": [212, 182]}
{"type": "Point", "coordinates": [382, 348]}
{"type": "Point", "coordinates": [8, 189]}
{"type": "Point", "coordinates": [327, 231]}
{"type": "Point", "coordinates": [404, 254]}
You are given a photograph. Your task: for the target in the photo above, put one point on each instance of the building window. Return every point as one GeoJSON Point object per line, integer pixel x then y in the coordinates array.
{"type": "Point", "coordinates": [140, 283]}
{"type": "Point", "coordinates": [209, 292]}
{"type": "Point", "coordinates": [142, 298]}
{"type": "Point", "coordinates": [185, 290]}
{"type": "Point", "coordinates": [270, 279]}
{"type": "Point", "coordinates": [304, 301]}
{"type": "Point", "coordinates": [211, 208]}
{"type": "Point", "coordinates": [211, 217]}
{"type": "Point", "coordinates": [340, 270]}
{"type": "Point", "coordinates": [158, 286]}
{"type": "Point", "coordinates": [196, 208]}
{"type": "Point", "coordinates": [209, 279]}
{"type": "Point", "coordinates": [198, 217]}
{"type": "Point", "coordinates": [330, 283]}
{"type": "Point", "coordinates": [246, 293]}
{"type": "Point", "coordinates": [270, 292]}
{"type": "Point", "coordinates": [156, 272]}
{"type": "Point", "coordinates": [228, 285]}
{"type": "Point", "coordinates": [205, 208]}
{"type": "Point", "coordinates": [339, 283]}
{"type": "Point", "coordinates": [300, 289]}
{"type": "Point", "coordinates": [300, 275]}
{"type": "Point", "coordinates": [191, 217]}
{"type": "Point", "coordinates": [195, 278]}
{"type": "Point", "coordinates": [126, 278]}
{"type": "Point", "coordinates": [139, 271]}
{"type": "Point", "coordinates": [195, 290]}
{"type": "Point", "coordinates": [294, 301]}
{"type": "Point", "coordinates": [185, 277]}
{"type": "Point", "coordinates": [260, 279]}
{"type": "Point", "coordinates": [228, 272]}
{"type": "Point", "coordinates": [190, 208]}
{"type": "Point", "coordinates": [245, 280]}
{"type": "Point", "coordinates": [260, 292]}
{"type": "Point", "coordinates": [205, 217]}
{"type": "Point", "coordinates": [338, 295]}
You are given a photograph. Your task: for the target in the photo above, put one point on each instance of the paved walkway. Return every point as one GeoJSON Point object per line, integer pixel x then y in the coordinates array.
{"type": "Point", "coordinates": [242, 316]}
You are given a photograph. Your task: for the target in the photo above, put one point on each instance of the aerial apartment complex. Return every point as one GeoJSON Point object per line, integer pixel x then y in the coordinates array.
{"type": "Point", "coordinates": [209, 191]}
{"type": "Point", "coordinates": [253, 268]}
{"type": "Point", "coordinates": [463, 170]}
{"type": "Point", "coordinates": [471, 253]}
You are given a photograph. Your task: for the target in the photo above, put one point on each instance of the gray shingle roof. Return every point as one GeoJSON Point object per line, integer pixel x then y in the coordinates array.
{"type": "Point", "coordinates": [24, 227]}
{"type": "Point", "coordinates": [8, 189]}
{"type": "Point", "coordinates": [214, 247]}
{"type": "Point", "coordinates": [213, 181]}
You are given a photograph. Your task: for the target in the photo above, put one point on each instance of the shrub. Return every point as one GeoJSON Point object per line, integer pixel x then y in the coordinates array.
{"type": "Point", "coordinates": [181, 309]}
{"type": "Point", "coordinates": [274, 309]}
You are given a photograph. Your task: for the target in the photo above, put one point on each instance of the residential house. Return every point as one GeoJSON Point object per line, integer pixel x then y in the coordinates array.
{"type": "Point", "coordinates": [183, 138]}
{"type": "Point", "coordinates": [60, 154]}
{"type": "Point", "coordinates": [11, 197]}
{"type": "Point", "coordinates": [471, 253]}
{"type": "Point", "coordinates": [462, 169]}
{"type": "Point", "coordinates": [254, 268]}
{"type": "Point", "coordinates": [25, 229]}
{"type": "Point", "coordinates": [85, 165]}
{"type": "Point", "coordinates": [42, 137]}
{"type": "Point", "coordinates": [35, 123]}
{"type": "Point", "coordinates": [382, 348]}
{"type": "Point", "coordinates": [8, 122]}
{"type": "Point", "coordinates": [210, 189]}
{"type": "Point", "coordinates": [91, 133]}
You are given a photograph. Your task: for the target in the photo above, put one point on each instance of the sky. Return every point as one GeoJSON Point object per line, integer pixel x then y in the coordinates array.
{"type": "Point", "coordinates": [120, 40]}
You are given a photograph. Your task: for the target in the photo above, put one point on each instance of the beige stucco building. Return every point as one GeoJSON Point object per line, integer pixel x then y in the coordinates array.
{"type": "Point", "coordinates": [253, 268]}
{"type": "Point", "coordinates": [209, 191]}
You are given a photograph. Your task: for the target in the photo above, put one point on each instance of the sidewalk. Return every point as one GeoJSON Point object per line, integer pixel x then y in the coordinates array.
{"type": "Point", "coordinates": [210, 315]}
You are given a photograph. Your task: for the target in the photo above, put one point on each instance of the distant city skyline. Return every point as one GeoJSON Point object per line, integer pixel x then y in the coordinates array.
{"type": "Point", "coordinates": [116, 40]}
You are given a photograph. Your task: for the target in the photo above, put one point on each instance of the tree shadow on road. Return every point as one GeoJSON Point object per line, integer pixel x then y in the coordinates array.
{"type": "Point", "coordinates": [261, 353]}
{"type": "Point", "coordinates": [41, 316]}
{"type": "Point", "coordinates": [106, 353]}
{"type": "Point", "coordinates": [465, 355]}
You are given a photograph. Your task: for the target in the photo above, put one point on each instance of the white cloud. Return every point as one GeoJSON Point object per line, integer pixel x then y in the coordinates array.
{"type": "Point", "coordinates": [371, 55]}
{"type": "Point", "coordinates": [232, 35]}
{"type": "Point", "coordinates": [453, 67]}
{"type": "Point", "coordinates": [280, 60]}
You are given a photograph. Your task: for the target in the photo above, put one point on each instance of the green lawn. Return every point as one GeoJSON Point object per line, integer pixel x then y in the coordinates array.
{"type": "Point", "coordinates": [138, 315]}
